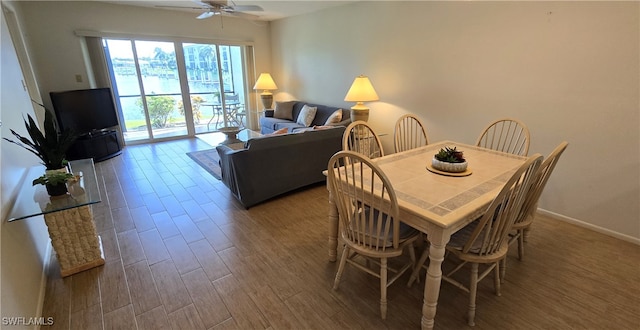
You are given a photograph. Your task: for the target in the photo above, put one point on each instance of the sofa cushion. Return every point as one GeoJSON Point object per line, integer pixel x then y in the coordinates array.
{"type": "Point", "coordinates": [276, 141]}
{"type": "Point", "coordinates": [307, 115]}
{"type": "Point", "coordinates": [289, 125]}
{"type": "Point", "coordinates": [335, 118]}
{"type": "Point", "coordinates": [283, 130]}
{"type": "Point", "coordinates": [284, 110]}
{"type": "Point", "coordinates": [271, 123]}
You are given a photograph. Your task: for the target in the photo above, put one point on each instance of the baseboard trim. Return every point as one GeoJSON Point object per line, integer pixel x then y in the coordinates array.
{"type": "Point", "coordinates": [595, 228]}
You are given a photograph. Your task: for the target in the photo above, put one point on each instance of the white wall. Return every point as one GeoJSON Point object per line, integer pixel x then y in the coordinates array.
{"type": "Point", "coordinates": [23, 244]}
{"type": "Point", "coordinates": [58, 54]}
{"type": "Point", "coordinates": [569, 70]}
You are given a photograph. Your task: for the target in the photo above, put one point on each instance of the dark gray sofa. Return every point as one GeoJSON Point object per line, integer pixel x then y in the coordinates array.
{"type": "Point", "coordinates": [272, 165]}
{"type": "Point", "coordinates": [269, 124]}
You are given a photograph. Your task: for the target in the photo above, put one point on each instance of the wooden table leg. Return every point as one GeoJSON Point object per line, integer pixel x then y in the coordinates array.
{"type": "Point", "coordinates": [333, 229]}
{"type": "Point", "coordinates": [432, 284]}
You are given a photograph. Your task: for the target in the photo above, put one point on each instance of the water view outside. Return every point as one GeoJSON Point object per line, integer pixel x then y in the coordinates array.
{"type": "Point", "coordinates": [156, 77]}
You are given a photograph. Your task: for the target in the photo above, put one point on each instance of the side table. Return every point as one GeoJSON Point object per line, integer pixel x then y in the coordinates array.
{"type": "Point", "coordinates": [68, 218]}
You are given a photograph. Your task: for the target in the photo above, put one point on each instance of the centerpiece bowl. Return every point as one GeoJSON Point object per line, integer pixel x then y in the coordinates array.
{"type": "Point", "coordinates": [449, 160]}
{"type": "Point", "coordinates": [231, 133]}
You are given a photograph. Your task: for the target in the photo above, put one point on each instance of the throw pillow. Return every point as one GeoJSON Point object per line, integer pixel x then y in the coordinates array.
{"type": "Point", "coordinates": [284, 110]}
{"type": "Point", "coordinates": [280, 131]}
{"type": "Point", "coordinates": [335, 118]}
{"type": "Point", "coordinates": [306, 115]}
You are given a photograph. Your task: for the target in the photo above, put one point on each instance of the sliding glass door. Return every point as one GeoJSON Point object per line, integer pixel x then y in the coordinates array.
{"type": "Point", "coordinates": [215, 104]}
{"type": "Point", "coordinates": [173, 89]}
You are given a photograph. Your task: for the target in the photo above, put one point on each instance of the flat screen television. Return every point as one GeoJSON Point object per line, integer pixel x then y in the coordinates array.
{"type": "Point", "coordinates": [85, 110]}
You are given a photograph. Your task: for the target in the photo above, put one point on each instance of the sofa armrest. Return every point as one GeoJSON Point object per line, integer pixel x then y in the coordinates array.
{"type": "Point", "coordinates": [228, 167]}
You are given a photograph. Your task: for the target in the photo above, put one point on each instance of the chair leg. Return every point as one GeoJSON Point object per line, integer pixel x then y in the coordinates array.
{"type": "Point", "coordinates": [343, 261]}
{"type": "Point", "coordinates": [412, 256]}
{"type": "Point", "coordinates": [473, 288]}
{"type": "Point", "coordinates": [415, 275]}
{"type": "Point", "coordinates": [526, 233]}
{"type": "Point", "coordinates": [496, 277]}
{"type": "Point", "coordinates": [383, 288]}
{"type": "Point", "coordinates": [521, 233]}
{"type": "Point", "coordinates": [503, 270]}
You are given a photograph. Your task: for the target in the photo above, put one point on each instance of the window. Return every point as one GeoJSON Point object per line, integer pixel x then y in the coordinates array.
{"type": "Point", "coordinates": [152, 103]}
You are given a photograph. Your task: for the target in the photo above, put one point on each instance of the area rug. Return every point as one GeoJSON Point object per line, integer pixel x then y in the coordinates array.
{"type": "Point", "coordinates": [208, 159]}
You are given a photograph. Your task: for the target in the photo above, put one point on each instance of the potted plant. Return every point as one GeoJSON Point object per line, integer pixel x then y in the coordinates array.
{"type": "Point", "coordinates": [54, 181]}
{"type": "Point", "coordinates": [449, 160]}
{"type": "Point", "coordinates": [47, 145]}
{"type": "Point", "coordinates": [51, 147]}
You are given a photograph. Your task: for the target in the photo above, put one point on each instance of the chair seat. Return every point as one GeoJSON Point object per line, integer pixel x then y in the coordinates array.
{"type": "Point", "coordinates": [460, 238]}
{"type": "Point", "coordinates": [407, 235]}
{"type": "Point", "coordinates": [523, 224]}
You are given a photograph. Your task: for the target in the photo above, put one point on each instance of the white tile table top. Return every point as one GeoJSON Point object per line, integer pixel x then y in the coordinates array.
{"type": "Point", "coordinates": [447, 201]}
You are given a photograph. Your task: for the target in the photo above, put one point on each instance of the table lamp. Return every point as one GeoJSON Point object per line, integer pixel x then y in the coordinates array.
{"type": "Point", "coordinates": [266, 84]}
{"type": "Point", "coordinates": [361, 91]}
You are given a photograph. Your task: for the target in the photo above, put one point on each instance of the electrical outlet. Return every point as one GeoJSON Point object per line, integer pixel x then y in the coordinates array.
{"type": "Point", "coordinates": [78, 78]}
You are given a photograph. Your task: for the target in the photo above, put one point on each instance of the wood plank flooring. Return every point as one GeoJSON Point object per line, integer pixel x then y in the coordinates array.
{"type": "Point", "coordinates": [182, 254]}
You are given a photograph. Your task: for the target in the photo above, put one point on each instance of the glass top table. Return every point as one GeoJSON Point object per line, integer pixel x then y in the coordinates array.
{"type": "Point", "coordinates": [34, 200]}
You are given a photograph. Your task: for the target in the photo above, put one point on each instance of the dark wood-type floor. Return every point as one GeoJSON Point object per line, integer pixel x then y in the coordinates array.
{"type": "Point", "coordinates": [182, 254]}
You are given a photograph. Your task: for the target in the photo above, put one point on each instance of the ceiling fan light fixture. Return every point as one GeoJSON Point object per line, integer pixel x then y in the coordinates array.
{"type": "Point", "coordinates": [206, 14]}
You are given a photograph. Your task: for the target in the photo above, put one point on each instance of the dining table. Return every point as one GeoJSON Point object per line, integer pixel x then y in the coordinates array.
{"type": "Point", "coordinates": [438, 203]}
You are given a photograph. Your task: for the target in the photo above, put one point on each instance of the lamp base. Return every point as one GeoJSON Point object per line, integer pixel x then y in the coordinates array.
{"type": "Point", "coordinates": [267, 100]}
{"type": "Point", "coordinates": [359, 114]}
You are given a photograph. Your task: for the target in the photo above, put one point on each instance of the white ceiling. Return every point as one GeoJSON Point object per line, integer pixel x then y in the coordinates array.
{"type": "Point", "coordinates": [273, 10]}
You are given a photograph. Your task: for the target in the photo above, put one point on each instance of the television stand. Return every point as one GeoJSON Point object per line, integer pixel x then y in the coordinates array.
{"type": "Point", "coordinates": [99, 145]}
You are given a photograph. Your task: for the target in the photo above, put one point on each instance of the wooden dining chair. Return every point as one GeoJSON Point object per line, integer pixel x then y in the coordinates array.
{"type": "Point", "coordinates": [361, 138]}
{"type": "Point", "coordinates": [524, 220]}
{"type": "Point", "coordinates": [506, 135]}
{"type": "Point", "coordinates": [486, 240]}
{"type": "Point", "coordinates": [409, 133]}
{"type": "Point", "coordinates": [369, 224]}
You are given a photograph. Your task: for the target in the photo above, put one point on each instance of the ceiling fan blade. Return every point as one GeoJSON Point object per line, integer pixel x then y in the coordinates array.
{"type": "Point", "coordinates": [247, 8]}
{"type": "Point", "coordinates": [206, 14]}
{"type": "Point", "coordinates": [179, 7]}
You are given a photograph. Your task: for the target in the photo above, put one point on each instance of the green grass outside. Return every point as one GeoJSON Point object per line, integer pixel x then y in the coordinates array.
{"type": "Point", "coordinates": [140, 123]}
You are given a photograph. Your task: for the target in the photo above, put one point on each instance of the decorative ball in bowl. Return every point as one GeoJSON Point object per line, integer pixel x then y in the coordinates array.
{"type": "Point", "coordinates": [449, 160]}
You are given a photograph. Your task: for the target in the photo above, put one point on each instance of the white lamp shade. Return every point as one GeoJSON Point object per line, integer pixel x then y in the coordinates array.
{"type": "Point", "coordinates": [265, 82]}
{"type": "Point", "coordinates": [361, 91]}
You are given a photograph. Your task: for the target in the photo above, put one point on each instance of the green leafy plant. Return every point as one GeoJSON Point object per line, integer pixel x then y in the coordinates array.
{"type": "Point", "coordinates": [53, 178]}
{"type": "Point", "coordinates": [196, 102]}
{"type": "Point", "coordinates": [450, 155]}
{"type": "Point", "coordinates": [50, 147]}
{"type": "Point", "coordinates": [160, 109]}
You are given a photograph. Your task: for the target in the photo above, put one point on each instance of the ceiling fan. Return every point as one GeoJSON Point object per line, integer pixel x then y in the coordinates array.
{"type": "Point", "coordinates": [212, 8]}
